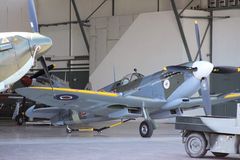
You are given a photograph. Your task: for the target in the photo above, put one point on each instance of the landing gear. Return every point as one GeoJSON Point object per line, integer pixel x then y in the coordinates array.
{"type": "Point", "coordinates": [20, 119]}
{"type": "Point", "coordinates": [196, 145]}
{"type": "Point", "coordinates": [146, 128]}
{"type": "Point", "coordinates": [68, 129]}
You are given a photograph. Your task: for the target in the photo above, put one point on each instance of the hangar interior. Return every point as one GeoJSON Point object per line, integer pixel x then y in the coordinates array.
{"type": "Point", "coordinates": [96, 42]}
{"type": "Point", "coordinates": [83, 53]}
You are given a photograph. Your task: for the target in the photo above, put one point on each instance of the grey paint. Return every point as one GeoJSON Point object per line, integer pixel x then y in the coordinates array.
{"type": "Point", "coordinates": [231, 83]}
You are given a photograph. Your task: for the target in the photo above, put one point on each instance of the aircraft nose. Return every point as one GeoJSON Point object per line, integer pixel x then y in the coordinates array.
{"type": "Point", "coordinates": [44, 42]}
{"type": "Point", "coordinates": [204, 69]}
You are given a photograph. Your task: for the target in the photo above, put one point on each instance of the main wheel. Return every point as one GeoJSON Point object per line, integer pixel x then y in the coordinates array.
{"type": "Point", "coordinates": [146, 128]}
{"type": "Point", "coordinates": [68, 130]}
{"type": "Point", "coordinates": [20, 119]}
{"type": "Point", "coordinates": [219, 155]}
{"type": "Point", "coordinates": [196, 145]}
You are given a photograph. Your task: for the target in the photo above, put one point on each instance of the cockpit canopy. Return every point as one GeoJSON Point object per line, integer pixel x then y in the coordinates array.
{"type": "Point", "coordinates": [130, 78]}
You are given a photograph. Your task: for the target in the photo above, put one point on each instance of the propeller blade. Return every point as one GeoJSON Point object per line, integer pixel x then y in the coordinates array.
{"type": "Point", "coordinates": [197, 32]}
{"type": "Point", "coordinates": [45, 68]}
{"type": "Point", "coordinates": [206, 96]}
{"type": "Point", "coordinates": [33, 16]}
{"type": "Point", "coordinates": [226, 70]}
{"type": "Point", "coordinates": [42, 72]}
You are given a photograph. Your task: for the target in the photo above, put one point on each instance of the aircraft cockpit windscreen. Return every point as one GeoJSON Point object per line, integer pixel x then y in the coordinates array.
{"type": "Point", "coordinates": [130, 78]}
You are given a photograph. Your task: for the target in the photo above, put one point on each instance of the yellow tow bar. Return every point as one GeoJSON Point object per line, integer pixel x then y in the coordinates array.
{"type": "Point", "coordinates": [99, 130]}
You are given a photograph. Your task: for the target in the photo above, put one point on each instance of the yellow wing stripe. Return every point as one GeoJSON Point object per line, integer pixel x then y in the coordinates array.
{"type": "Point", "coordinates": [78, 91]}
{"type": "Point", "coordinates": [232, 95]}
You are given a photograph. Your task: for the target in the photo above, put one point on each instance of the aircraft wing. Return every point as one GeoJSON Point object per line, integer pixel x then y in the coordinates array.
{"type": "Point", "coordinates": [99, 103]}
{"type": "Point", "coordinates": [215, 99]}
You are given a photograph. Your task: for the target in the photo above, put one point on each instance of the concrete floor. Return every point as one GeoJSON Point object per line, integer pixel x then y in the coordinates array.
{"type": "Point", "coordinates": [120, 143]}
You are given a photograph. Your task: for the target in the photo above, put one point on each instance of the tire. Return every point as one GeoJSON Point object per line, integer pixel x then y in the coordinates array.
{"type": "Point", "coordinates": [68, 130]}
{"type": "Point", "coordinates": [146, 129]}
{"type": "Point", "coordinates": [20, 120]}
{"type": "Point", "coordinates": [195, 145]}
{"type": "Point", "coordinates": [219, 155]}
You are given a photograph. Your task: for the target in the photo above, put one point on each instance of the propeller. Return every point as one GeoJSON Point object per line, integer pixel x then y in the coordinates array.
{"type": "Point", "coordinates": [198, 40]}
{"type": "Point", "coordinates": [34, 26]}
{"type": "Point", "coordinates": [206, 96]}
{"type": "Point", "coordinates": [204, 89]}
{"type": "Point", "coordinates": [42, 72]}
{"type": "Point", "coordinates": [33, 16]}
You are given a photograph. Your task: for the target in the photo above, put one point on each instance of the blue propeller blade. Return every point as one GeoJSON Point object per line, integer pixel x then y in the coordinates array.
{"type": "Point", "coordinates": [198, 40]}
{"type": "Point", "coordinates": [33, 16]}
{"type": "Point", "coordinates": [207, 105]}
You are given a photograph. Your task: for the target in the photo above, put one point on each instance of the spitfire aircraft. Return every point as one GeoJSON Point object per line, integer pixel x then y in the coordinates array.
{"type": "Point", "coordinates": [19, 50]}
{"type": "Point", "coordinates": [160, 95]}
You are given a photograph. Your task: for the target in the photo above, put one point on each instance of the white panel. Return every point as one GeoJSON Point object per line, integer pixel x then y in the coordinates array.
{"type": "Point", "coordinates": [125, 20]}
{"type": "Point", "coordinates": [93, 27]}
{"type": "Point", "coordinates": [226, 38]}
{"type": "Point", "coordinates": [52, 11]}
{"type": "Point", "coordinates": [101, 22]}
{"type": "Point", "coordinates": [92, 54]}
{"type": "Point", "coordinates": [146, 47]}
{"type": "Point", "coordinates": [111, 44]}
{"type": "Point", "coordinates": [3, 16]}
{"type": "Point", "coordinates": [78, 44]}
{"type": "Point", "coordinates": [59, 36]}
{"type": "Point", "coordinates": [126, 7]}
{"type": "Point", "coordinates": [123, 29]}
{"type": "Point", "coordinates": [113, 28]}
{"type": "Point", "coordinates": [101, 45]}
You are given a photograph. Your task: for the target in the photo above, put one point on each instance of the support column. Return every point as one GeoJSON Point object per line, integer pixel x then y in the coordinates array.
{"type": "Point", "coordinates": [80, 25]}
{"type": "Point", "coordinates": [181, 30]}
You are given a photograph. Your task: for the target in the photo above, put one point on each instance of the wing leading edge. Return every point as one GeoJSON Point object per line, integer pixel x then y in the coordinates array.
{"type": "Point", "coordinates": [84, 100]}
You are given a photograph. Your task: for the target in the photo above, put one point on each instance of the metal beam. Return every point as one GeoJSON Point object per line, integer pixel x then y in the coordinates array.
{"type": "Point", "coordinates": [181, 30]}
{"type": "Point", "coordinates": [73, 58]}
{"type": "Point", "coordinates": [211, 37]}
{"type": "Point", "coordinates": [81, 25]}
{"type": "Point", "coordinates": [223, 8]}
{"type": "Point", "coordinates": [64, 69]}
{"type": "Point", "coordinates": [63, 23]}
{"type": "Point", "coordinates": [113, 7]}
{"type": "Point", "coordinates": [87, 19]}
{"type": "Point", "coordinates": [158, 5]}
{"type": "Point", "coordinates": [205, 17]}
{"type": "Point", "coordinates": [185, 7]}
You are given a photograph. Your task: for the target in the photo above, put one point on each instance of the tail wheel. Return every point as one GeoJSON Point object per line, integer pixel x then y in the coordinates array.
{"type": "Point", "coordinates": [196, 145]}
{"type": "Point", "coordinates": [146, 129]}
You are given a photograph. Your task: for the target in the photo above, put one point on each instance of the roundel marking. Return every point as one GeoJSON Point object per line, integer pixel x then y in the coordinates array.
{"type": "Point", "coordinates": [166, 84]}
{"type": "Point", "coordinates": [66, 97]}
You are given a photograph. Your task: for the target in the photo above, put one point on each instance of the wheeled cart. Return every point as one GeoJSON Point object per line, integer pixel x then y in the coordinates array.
{"type": "Point", "coordinates": [221, 136]}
